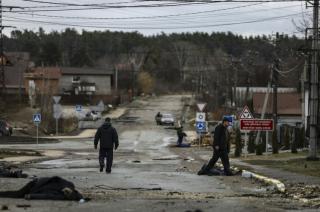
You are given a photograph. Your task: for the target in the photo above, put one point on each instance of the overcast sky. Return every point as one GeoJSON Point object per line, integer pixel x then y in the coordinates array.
{"type": "Point", "coordinates": [240, 18]}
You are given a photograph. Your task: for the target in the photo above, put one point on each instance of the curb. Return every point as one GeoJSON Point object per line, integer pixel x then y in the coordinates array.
{"type": "Point", "coordinates": [279, 186]}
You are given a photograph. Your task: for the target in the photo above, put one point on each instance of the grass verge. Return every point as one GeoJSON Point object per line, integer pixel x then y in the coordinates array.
{"type": "Point", "coordinates": [299, 165]}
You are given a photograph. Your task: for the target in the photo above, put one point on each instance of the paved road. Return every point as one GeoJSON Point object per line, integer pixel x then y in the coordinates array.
{"type": "Point", "coordinates": [147, 175]}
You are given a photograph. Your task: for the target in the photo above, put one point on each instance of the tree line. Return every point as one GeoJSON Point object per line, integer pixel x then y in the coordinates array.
{"type": "Point", "coordinates": [186, 61]}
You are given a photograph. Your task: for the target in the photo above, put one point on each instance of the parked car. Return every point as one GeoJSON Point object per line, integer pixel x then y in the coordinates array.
{"type": "Point", "coordinates": [167, 119]}
{"type": "Point", "coordinates": [92, 116]}
{"type": "Point", "coordinates": [5, 128]}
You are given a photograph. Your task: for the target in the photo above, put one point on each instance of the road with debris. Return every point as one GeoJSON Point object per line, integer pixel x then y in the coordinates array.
{"type": "Point", "coordinates": [148, 173]}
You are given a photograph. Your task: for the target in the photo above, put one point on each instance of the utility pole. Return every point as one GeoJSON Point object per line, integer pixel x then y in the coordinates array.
{"type": "Point", "coordinates": [314, 83]}
{"type": "Point", "coordinates": [2, 75]}
{"type": "Point", "coordinates": [274, 107]}
{"type": "Point", "coordinates": [235, 81]}
{"type": "Point", "coordinates": [275, 70]}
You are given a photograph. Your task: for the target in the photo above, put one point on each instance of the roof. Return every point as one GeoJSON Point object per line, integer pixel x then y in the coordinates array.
{"type": "Point", "coordinates": [52, 73]}
{"type": "Point", "coordinates": [288, 103]}
{"type": "Point", "coordinates": [86, 71]}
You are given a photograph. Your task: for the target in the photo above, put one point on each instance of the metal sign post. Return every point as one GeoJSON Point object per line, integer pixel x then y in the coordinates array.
{"type": "Point", "coordinates": [267, 141]}
{"type": "Point", "coordinates": [57, 111]}
{"type": "Point", "coordinates": [37, 133]}
{"type": "Point", "coordinates": [246, 139]}
{"type": "Point", "coordinates": [57, 128]}
{"type": "Point", "coordinates": [37, 121]}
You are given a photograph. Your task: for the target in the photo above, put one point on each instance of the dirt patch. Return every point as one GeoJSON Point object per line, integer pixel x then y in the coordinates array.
{"type": "Point", "coordinates": [26, 140]}
{"type": "Point", "coordinates": [4, 153]}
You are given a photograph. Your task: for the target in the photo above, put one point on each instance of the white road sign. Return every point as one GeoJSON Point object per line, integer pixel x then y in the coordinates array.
{"type": "Point", "coordinates": [246, 114]}
{"type": "Point", "coordinates": [201, 106]}
{"type": "Point", "coordinates": [37, 118]}
{"type": "Point", "coordinates": [200, 117]}
{"type": "Point", "coordinates": [56, 99]}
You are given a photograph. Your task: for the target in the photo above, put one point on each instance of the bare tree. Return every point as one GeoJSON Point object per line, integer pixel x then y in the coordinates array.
{"type": "Point", "coordinates": [136, 58]}
{"type": "Point", "coordinates": [182, 51]}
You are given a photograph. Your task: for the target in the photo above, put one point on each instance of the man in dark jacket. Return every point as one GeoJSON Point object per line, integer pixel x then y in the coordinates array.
{"type": "Point", "coordinates": [221, 148]}
{"type": "Point", "coordinates": [108, 137]}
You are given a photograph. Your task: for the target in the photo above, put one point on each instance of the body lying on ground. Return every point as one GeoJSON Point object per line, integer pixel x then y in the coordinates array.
{"type": "Point", "coordinates": [50, 188]}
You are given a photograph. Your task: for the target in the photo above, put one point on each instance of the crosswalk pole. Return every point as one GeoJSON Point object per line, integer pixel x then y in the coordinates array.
{"type": "Point", "coordinates": [37, 134]}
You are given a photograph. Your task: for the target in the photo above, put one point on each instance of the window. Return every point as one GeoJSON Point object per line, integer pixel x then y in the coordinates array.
{"type": "Point", "coordinates": [75, 79]}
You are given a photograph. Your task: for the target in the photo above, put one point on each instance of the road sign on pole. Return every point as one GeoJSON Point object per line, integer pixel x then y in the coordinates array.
{"type": "Point", "coordinates": [37, 120]}
{"type": "Point", "coordinates": [56, 99]}
{"type": "Point", "coordinates": [201, 127]}
{"type": "Point", "coordinates": [246, 114]}
{"type": "Point", "coordinates": [57, 113]}
{"type": "Point", "coordinates": [200, 117]}
{"type": "Point", "coordinates": [201, 106]}
{"type": "Point", "coordinates": [256, 124]}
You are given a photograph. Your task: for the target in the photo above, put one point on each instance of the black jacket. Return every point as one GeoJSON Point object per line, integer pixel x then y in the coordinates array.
{"type": "Point", "coordinates": [108, 137]}
{"type": "Point", "coordinates": [46, 188]}
{"type": "Point", "coordinates": [220, 138]}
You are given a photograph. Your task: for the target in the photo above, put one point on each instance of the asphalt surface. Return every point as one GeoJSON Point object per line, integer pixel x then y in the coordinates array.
{"type": "Point", "coordinates": [148, 174]}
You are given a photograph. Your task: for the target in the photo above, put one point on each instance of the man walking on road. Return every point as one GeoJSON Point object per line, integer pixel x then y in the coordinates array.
{"type": "Point", "coordinates": [221, 149]}
{"type": "Point", "coordinates": [108, 137]}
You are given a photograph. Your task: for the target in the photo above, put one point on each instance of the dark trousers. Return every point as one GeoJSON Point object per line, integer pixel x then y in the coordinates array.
{"type": "Point", "coordinates": [106, 153]}
{"type": "Point", "coordinates": [180, 140]}
{"type": "Point", "coordinates": [223, 155]}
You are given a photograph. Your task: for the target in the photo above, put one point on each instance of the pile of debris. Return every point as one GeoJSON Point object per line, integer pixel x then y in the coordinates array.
{"type": "Point", "coordinates": [206, 140]}
{"type": "Point", "coordinates": [307, 193]}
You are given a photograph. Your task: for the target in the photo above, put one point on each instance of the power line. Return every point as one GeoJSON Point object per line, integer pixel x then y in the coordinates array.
{"type": "Point", "coordinates": [156, 28]}
{"type": "Point", "coordinates": [140, 17]}
{"type": "Point", "coordinates": [174, 20]}
{"type": "Point", "coordinates": [167, 22]}
{"type": "Point", "coordinates": [102, 6]}
{"type": "Point", "coordinates": [106, 6]}
{"type": "Point", "coordinates": [61, 6]}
